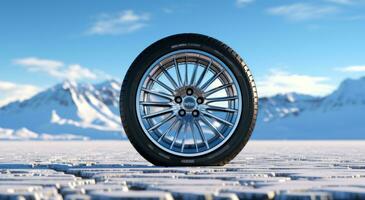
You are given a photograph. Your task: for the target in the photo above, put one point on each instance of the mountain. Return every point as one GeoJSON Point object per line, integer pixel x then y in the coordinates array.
{"type": "Point", "coordinates": [76, 111]}
{"type": "Point", "coordinates": [351, 92]}
{"type": "Point", "coordinates": [68, 109]}
{"type": "Point", "coordinates": [339, 115]}
{"type": "Point", "coordinates": [285, 105]}
{"type": "Point", "coordinates": [25, 134]}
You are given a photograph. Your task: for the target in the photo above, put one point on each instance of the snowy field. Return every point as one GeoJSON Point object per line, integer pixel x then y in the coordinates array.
{"type": "Point", "coordinates": [114, 170]}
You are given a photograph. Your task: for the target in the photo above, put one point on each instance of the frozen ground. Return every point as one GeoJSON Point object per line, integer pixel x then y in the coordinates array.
{"type": "Point", "coordinates": [114, 170]}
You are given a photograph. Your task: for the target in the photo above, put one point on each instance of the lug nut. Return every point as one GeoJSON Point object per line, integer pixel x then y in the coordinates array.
{"type": "Point", "coordinates": [182, 112]}
{"type": "Point", "coordinates": [178, 99]}
{"type": "Point", "coordinates": [200, 100]}
{"type": "Point", "coordinates": [195, 113]}
{"type": "Point", "coordinates": [189, 91]}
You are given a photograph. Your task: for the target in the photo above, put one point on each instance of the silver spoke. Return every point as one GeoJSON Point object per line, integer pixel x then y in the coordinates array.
{"type": "Point", "coordinates": [210, 100]}
{"type": "Point", "coordinates": [201, 134]}
{"type": "Point", "coordinates": [210, 81]}
{"type": "Point", "coordinates": [212, 127]}
{"type": "Point", "coordinates": [222, 109]}
{"type": "Point", "coordinates": [160, 104]}
{"type": "Point", "coordinates": [176, 135]}
{"type": "Point", "coordinates": [161, 122]}
{"type": "Point", "coordinates": [203, 74]}
{"type": "Point", "coordinates": [157, 93]}
{"type": "Point", "coordinates": [167, 74]}
{"type": "Point", "coordinates": [183, 141]}
{"type": "Point", "coordinates": [214, 90]}
{"type": "Point", "coordinates": [168, 130]}
{"type": "Point", "coordinates": [186, 82]}
{"type": "Point", "coordinates": [192, 133]}
{"type": "Point", "coordinates": [194, 73]}
{"type": "Point", "coordinates": [217, 118]}
{"type": "Point", "coordinates": [162, 112]}
{"type": "Point", "coordinates": [163, 85]}
{"type": "Point", "coordinates": [178, 73]}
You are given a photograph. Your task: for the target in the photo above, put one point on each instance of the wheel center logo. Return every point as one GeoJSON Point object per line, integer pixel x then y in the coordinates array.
{"type": "Point", "coordinates": [189, 103]}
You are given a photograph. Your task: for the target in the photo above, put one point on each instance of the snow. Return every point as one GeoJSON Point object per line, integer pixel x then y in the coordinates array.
{"type": "Point", "coordinates": [350, 92]}
{"type": "Point", "coordinates": [293, 116]}
{"type": "Point", "coordinates": [25, 134]}
{"type": "Point", "coordinates": [62, 137]}
{"type": "Point", "coordinates": [341, 123]}
{"type": "Point", "coordinates": [20, 134]}
{"type": "Point", "coordinates": [5, 133]}
{"type": "Point", "coordinates": [65, 111]}
{"type": "Point", "coordinates": [114, 170]}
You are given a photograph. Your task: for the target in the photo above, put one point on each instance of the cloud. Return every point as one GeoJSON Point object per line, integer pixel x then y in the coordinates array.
{"type": "Point", "coordinates": [11, 92]}
{"type": "Point", "coordinates": [167, 10]}
{"type": "Point", "coordinates": [75, 72]}
{"type": "Point", "coordinates": [283, 82]}
{"type": "Point", "coordinates": [341, 1]}
{"type": "Point", "coordinates": [302, 11]}
{"type": "Point", "coordinates": [121, 23]}
{"type": "Point", "coordinates": [355, 68]}
{"type": "Point", "coordinates": [346, 2]}
{"type": "Point", "coordinates": [39, 64]}
{"type": "Point", "coordinates": [242, 3]}
{"type": "Point", "coordinates": [57, 69]}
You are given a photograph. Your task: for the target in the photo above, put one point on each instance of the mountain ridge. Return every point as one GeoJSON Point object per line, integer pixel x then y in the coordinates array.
{"type": "Point", "coordinates": [67, 108]}
{"type": "Point", "coordinates": [338, 115]}
{"type": "Point", "coordinates": [71, 110]}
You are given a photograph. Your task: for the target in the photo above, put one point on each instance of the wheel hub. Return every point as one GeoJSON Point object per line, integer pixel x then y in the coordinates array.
{"type": "Point", "coordinates": [189, 103]}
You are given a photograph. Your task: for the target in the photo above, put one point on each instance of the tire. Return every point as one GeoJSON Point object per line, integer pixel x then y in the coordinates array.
{"type": "Point", "coordinates": [155, 123]}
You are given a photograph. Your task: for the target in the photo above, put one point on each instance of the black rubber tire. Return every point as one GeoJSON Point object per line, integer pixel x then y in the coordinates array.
{"type": "Point", "coordinates": [130, 122]}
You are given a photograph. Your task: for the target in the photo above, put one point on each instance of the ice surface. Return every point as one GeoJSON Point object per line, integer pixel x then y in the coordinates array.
{"type": "Point", "coordinates": [114, 170]}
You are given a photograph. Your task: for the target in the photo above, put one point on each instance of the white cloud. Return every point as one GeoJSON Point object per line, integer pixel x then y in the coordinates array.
{"type": "Point", "coordinates": [11, 92]}
{"type": "Point", "coordinates": [124, 22]}
{"type": "Point", "coordinates": [283, 82]}
{"type": "Point", "coordinates": [355, 68]}
{"type": "Point", "coordinates": [341, 1]}
{"type": "Point", "coordinates": [57, 69]}
{"type": "Point", "coordinates": [39, 64]}
{"type": "Point", "coordinates": [75, 72]}
{"type": "Point", "coordinates": [167, 10]}
{"type": "Point", "coordinates": [302, 11]}
{"type": "Point", "coordinates": [242, 3]}
{"type": "Point", "coordinates": [346, 2]}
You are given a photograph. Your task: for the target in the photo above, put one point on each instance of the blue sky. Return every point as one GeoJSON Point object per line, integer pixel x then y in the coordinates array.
{"type": "Point", "coordinates": [304, 46]}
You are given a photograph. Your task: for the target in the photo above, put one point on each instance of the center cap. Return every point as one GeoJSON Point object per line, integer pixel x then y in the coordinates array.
{"type": "Point", "coordinates": [189, 103]}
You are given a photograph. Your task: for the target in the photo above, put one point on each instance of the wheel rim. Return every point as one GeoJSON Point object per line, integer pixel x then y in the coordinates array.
{"type": "Point", "coordinates": [188, 103]}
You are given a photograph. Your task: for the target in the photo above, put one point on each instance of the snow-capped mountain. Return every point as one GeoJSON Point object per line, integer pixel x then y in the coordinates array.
{"type": "Point", "coordinates": [84, 111]}
{"type": "Point", "coordinates": [339, 115]}
{"type": "Point", "coordinates": [351, 92]}
{"type": "Point", "coordinates": [285, 105]}
{"type": "Point", "coordinates": [67, 109]}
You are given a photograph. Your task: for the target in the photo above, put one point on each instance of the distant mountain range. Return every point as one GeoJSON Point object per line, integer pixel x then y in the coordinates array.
{"type": "Point", "coordinates": [74, 111]}
{"type": "Point", "coordinates": [66, 111]}
{"type": "Point", "coordinates": [340, 115]}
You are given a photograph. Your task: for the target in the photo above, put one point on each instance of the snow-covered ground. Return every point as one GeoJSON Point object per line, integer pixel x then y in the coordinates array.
{"type": "Point", "coordinates": [114, 170]}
